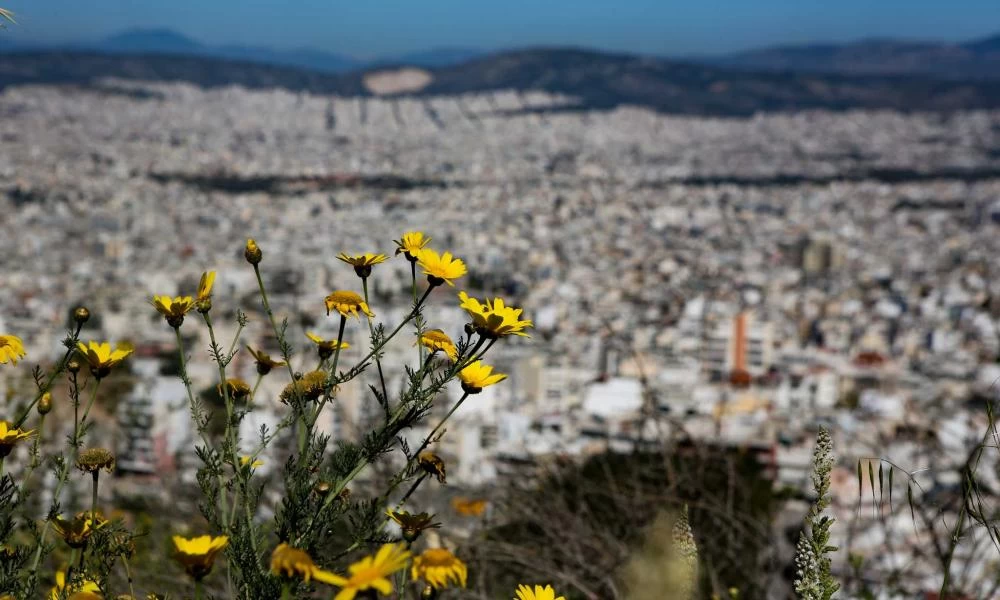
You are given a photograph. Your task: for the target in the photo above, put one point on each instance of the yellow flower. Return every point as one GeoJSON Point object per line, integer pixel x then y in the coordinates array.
{"type": "Point", "coordinates": [77, 531]}
{"type": "Point", "coordinates": [197, 555]}
{"type": "Point", "coordinates": [467, 507]}
{"type": "Point", "coordinates": [204, 299]}
{"type": "Point", "coordinates": [326, 347]}
{"type": "Point", "coordinates": [11, 349]}
{"type": "Point", "coordinates": [440, 268]}
{"type": "Point", "coordinates": [493, 320]}
{"type": "Point", "coordinates": [410, 244]}
{"type": "Point", "coordinates": [102, 358]}
{"type": "Point", "coordinates": [86, 586]}
{"type": "Point", "coordinates": [291, 562]}
{"type": "Point", "coordinates": [237, 388]}
{"type": "Point", "coordinates": [245, 460]}
{"type": "Point", "coordinates": [433, 465]}
{"type": "Point", "coordinates": [435, 339]}
{"type": "Point", "coordinates": [439, 568]}
{"type": "Point", "coordinates": [310, 387]}
{"type": "Point", "coordinates": [372, 572]}
{"type": "Point", "coordinates": [252, 252]}
{"type": "Point", "coordinates": [362, 262]}
{"type": "Point", "coordinates": [411, 524]}
{"type": "Point", "coordinates": [476, 376]}
{"type": "Point", "coordinates": [264, 361]}
{"type": "Point", "coordinates": [10, 436]}
{"type": "Point", "coordinates": [347, 303]}
{"type": "Point", "coordinates": [173, 309]}
{"type": "Point", "coordinates": [539, 593]}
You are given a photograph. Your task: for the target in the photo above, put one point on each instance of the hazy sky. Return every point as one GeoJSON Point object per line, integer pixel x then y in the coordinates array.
{"type": "Point", "coordinates": [367, 28]}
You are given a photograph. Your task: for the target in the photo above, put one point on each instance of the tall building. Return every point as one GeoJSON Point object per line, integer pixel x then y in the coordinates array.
{"type": "Point", "coordinates": [740, 343]}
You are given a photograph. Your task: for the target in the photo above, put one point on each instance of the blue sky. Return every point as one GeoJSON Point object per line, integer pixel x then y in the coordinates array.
{"type": "Point", "coordinates": [367, 28]}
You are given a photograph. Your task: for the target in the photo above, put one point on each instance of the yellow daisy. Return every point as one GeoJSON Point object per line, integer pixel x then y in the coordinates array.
{"type": "Point", "coordinates": [309, 387]}
{"type": "Point", "coordinates": [411, 524]}
{"type": "Point", "coordinates": [197, 555]}
{"type": "Point", "coordinates": [493, 320]}
{"type": "Point", "coordinates": [264, 361]}
{"type": "Point", "coordinates": [86, 586]}
{"type": "Point", "coordinates": [433, 465]}
{"type": "Point", "coordinates": [204, 297]}
{"type": "Point", "coordinates": [287, 561]}
{"type": "Point", "coordinates": [11, 349]}
{"type": "Point", "coordinates": [10, 436]}
{"type": "Point", "coordinates": [372, 572]}
{"type": "Point", "coordinates": [252, 252]}
{"type": "Point", "coordinates": [438, 567]}
{"type": "Point", "coordinates": [410, 244]}
{"type": "Point", "coordinates": [435, 340]}
{"type": "Point", "coordinates": [326, 348]}
{"type": "Point", "coordinates": [173, 309]}
{"type": "Point", "coordinates": [246, 460]}
{"type": "Point", "coordinates": [476, 376]}
{"type": "Point", "coordinates": [440, 268]}
{"type": "Point", "coordinates": [77, 531]}
{"type": "Point", "coordinates": [347, 303]}
{"type": "Point", "coordinates": [469, 508]}
{"type": "Point", "coordinates": [102, 358]}
{"type": "Point", "coordinates": [539, 593]}
{"type": "Point", "coordinates": [237, 388]}
{"type": "Point", "coordinates": [362, 263]}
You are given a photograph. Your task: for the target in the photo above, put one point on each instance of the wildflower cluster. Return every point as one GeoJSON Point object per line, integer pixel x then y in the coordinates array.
{"type": "Point", "coordinates": [294, 547]}
{"type": "Point", "coordinates": [813, 576]}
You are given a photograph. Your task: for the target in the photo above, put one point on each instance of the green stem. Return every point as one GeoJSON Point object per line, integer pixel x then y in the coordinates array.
{"type": "Point", "coordinates": [333, 371]}
{"type": "Point", "coordinates": [371, 330]}
{"type": "Point", "coordinates": [93, 497]}
{"type": "Point", "coordinates": [413, 286]}
{"type": "Point", "coordinates": [253, 392]}
{"type": "Point", "coordinates": [128, 574]}
{"type": "Point", "coordinates": [201, 430]}
{"type": "Point", "coordinates": [52, 377]}
{"type": "Point", "coordinates": [78, 430]}
{"type": "Point", "coordinates": [197, 590]}
{"type": "Point", "coordinates": [430, 436]}
{"type": "Point", "coordinates": [63, 478]}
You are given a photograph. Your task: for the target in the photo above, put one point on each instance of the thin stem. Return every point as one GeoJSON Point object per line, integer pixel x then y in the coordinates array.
{"type": "Point", "coordinates": [128, 574]}
{"type": "Point", "coordinates": [63, 478]}
{"type": "Point", "coordinates": [197, 590]}
{"type": "Point", "coordinates": [201, 430]}
{"type": "Point", "coordinates": [430, 436]}
{"type": "Point", "coordinates": [93, 497]}
{"type": "Point", "coordinates": [253, 392]}
{"type": "Point", "coordinates": [333, 371]}
{"type": "Point", "coordinates": [371, 330]}
{"type": "Point", "coordinates": [52, 377]}
{"type": "Point", "coordinates": [413, 286]}
{"type": "Point", "coordinates": [78, 430]}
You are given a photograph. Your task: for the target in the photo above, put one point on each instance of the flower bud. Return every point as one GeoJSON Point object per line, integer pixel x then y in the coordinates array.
{"type": "Point", "coordinates": [252, 252]}
{"type": "Point", "coordinates": [73, 366]}
{"type": "Point", "coordinates": [429, 593]}
{"type": "Point", "coordinates": [81, 315]}
{"type": "Point", "coordinates": [45, 404]}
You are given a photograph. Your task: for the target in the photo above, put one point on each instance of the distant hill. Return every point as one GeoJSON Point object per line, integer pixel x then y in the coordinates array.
{"type": "Point", "coordinates": [166, 41]}
{"type": "Point", "coordinates": [979, 59]}
{"type": "Point", "coordinates": [596, 79]}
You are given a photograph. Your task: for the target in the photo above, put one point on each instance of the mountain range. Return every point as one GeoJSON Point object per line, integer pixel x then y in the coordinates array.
{"type": "Point", "coordinates": [976, 59]}
{"type": "Point", "coordinates": [166, 41]}
{"type": "Point", "coordinates": [759, 81]}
